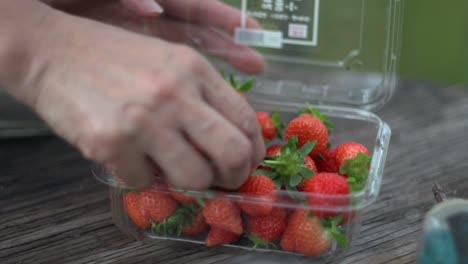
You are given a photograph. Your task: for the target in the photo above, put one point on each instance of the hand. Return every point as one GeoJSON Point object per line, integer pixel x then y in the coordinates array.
{"type": "Point", "coordinates": [204, 24]}
{"type": "Point", "coordinates": [134, 103]}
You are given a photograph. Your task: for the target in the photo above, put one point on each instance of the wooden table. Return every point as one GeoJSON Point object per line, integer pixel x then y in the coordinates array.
{"type": "Point", "coordinates": [53, 211]}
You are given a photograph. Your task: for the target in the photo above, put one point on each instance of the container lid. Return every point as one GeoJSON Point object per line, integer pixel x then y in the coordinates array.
{"type": "Point", "coordinates": [332, 52]}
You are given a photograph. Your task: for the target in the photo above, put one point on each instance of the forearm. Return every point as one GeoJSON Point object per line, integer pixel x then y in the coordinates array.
{"type": "Point", "coordinates": [22, 31]}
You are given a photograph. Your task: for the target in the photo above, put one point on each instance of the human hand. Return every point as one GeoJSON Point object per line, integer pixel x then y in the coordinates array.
{"type": "Point", "coordinates": [134, 103]}
{"type": "Point", "coordinates": [206, 24]}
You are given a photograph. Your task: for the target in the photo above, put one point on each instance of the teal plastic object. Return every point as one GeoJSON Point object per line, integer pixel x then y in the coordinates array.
{"type": "Point", "coordinates": [445, 232]}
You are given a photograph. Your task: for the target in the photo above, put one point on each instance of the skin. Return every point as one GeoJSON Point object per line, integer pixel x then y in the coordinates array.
{"type": "Point", "coordinates": [117, 81]}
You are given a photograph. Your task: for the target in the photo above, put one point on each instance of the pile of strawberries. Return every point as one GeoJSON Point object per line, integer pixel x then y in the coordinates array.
{"type": "Point", "coordinates": [295, 200]}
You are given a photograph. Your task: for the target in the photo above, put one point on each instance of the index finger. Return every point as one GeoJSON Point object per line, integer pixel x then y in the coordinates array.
{"type": "Point", "coordinates": [212, 13]}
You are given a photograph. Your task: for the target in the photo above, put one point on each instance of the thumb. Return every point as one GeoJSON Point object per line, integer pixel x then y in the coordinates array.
{"type": "Point", "coordinates": [148, 8]}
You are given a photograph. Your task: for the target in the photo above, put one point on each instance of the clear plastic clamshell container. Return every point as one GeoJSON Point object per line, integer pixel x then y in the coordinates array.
{"type": "Point", "coordinates": [339, 56]}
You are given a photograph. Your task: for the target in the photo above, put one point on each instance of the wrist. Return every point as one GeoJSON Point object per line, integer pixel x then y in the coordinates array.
{"type": "Point", "coordinates": [24, 26]}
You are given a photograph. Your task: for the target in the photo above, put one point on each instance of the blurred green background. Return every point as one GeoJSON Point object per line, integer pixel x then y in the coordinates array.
{"type": "Point", "coordinates": [435, 40]}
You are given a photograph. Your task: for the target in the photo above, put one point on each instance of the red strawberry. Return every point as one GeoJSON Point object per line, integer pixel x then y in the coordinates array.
{"type": "Point", "coordinates": [309, 128]}
{"type": "Point", "coordinates": [223, 213]}
{"type": "Point", "coordinates": [218, 236]}
{"type": "Point", "coordinates": [181, 197]}
{"type": "Point", "coordinates": [305, 234]}
{"type": "Point", "coordinates": [258, 187]}
{"type": "Point", "coordinates": [326, 161]}
{"type": "Point", "coordinates": [134, 211]}
{"type": "Point", "coordinates": [348, 151]}
{"type": "Point", "coordinates": [310, 164]}
{"type": "Point", "coordinates": [268, 228]}
{"type": "Point", "coordinates": [197, 226]}
{"type": "Point", "coordinates": [354, 161]}
{"type": "Point", "coordinates": [322, 185]}
{"type": "Point", "coordinates": [157, 204]}
{"type": "Point", "coordinates": [274, 150]}
{"type": "Point", "coordinates": [271, 151]}
{"type": "Point", "coordinates": [268, 127]}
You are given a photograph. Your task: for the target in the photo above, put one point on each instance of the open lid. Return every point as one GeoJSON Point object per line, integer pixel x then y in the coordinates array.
{"type": "Point", "coordinates": [334, 52]}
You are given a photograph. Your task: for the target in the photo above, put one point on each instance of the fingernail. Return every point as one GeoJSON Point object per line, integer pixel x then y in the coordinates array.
{"type": "Point", "coordinates": [150, 6]}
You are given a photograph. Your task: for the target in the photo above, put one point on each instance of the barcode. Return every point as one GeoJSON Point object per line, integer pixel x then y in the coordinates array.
{"type": "Point", "coordinates": [262, 38]}
{"type": "Point", "coordinates": [249, 37]}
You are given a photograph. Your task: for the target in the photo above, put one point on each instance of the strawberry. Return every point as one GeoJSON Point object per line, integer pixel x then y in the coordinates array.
{"type": "Point", "coordinates": [274, 150]}
{"type": "Point", "coordinates": [180, 197]}
{"type": "Point", "coordinates": [271, 125]}
{"type": "Point", "coordinates": [271, 151]}
{"type": "Point", "coordinates": [197, 226]}
{"type": "Point", "coordinates": [326, 161]}
{"type": "Point", "coordinates": [266, 229]}
{"type": "Point", "coordinates": [224, 214]}
{"type": "Point", "coordinates": [354, 161]}
{"type": "Point", "coordinates": [307, 234]}
{"type": "Point", "coordinates": [310, 164]}
{"type": "Point", "coordinates": [134, 211]}
{"type": "Point", "coordinates": [310, 126]}
{"type": "Point", "coordinates": [258, 187]}
{"type": "Point", "coordinates": [157, 204]}
{"type": "Point", "coordinates": [290, 167]}
{"type": "Point", "coordinates": [349, 150]}
{"type": "Point", "coordinates": [187, 219]}
{"type": "Point", "coordinates": [218, 236]}
{"type": "Point", "coordinates": [325, 184]}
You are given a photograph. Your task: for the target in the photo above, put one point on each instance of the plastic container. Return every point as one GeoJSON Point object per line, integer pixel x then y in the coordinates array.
{"type": "Point", "coordinates": [337, 55]}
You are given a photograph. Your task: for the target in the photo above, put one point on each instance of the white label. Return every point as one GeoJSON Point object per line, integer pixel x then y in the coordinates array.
{"type": "Point", "coordinates": [261, 38]}
{"type": "Point", "coordinates": [297, 31]}
{"type": "Point", "coordinates": [297, 20]}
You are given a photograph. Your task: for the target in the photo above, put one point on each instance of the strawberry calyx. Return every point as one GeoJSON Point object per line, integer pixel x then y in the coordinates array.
{"type": "Point", "coordinates": [357, 170]}
{"type": "Point", "coordinates": [288, 169]}
{"type": "Point", "coordinates": [335, 232]}
{"type": "Point", "coordinates": [316, 112]}
{"type": "Point", "coordinates": [240, 87]}
{"type": "Point", "coordinates": [259, 242]}
{"type": "Point", "coordinates": [279, 124]}
{"type": "Point", "coordinates": [174, 224]}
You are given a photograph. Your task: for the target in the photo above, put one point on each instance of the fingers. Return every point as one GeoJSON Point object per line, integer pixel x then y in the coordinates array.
{"type": "Point", "coordinates": [182, 165]}
{"type": "Point", "coordinates": [164, 143]}
{"type": "Point", "coordinates": [236, 110]}
{"type": "Point", "coordinates": [146, 8]}
{"type": "Point", "coordinates": [115, 148]}
{"type": "Point", "coordinates": [243, 58]}
{"type": "Point", "coordinates": [132, 168]}
{"type": "Point", "coordinates": [225, 145]}
{"type": "Point", "coordinates": [212, 13]}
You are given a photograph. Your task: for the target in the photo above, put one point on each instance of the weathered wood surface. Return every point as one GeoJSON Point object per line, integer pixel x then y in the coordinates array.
{"type": "Point", "coordinates": [53, 211]}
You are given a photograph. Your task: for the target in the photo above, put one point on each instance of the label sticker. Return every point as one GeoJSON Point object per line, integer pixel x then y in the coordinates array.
{"type": "Point", "coordinates": [297, 22]}
{"type": "Point", "coordinates": [261, 38]}
{"type": "Point", "coordinates": [297, 31]}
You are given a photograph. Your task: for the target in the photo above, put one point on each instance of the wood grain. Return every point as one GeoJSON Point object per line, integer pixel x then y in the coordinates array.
{"type": "Point", "coordinates": [53, 211]}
